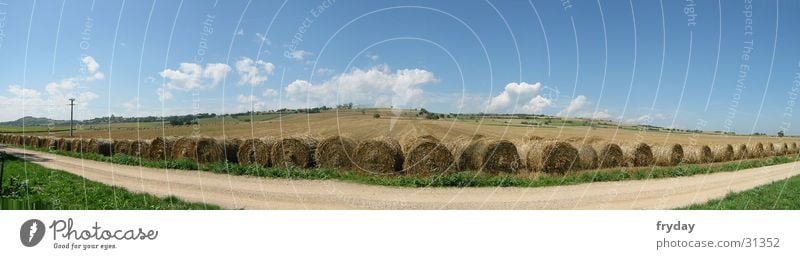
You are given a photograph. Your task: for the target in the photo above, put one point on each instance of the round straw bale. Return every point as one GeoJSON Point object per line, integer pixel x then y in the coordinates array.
{"type": "Point", "coordinates": [551, 157]}
{"type": "Point", "coordinates": [722, 153]}
{"type": "Point", "coordinates": [251, 150]}
{"type": "Point", "coordinates": [231, 148]}
{"type": "Point", "coordinates": [485, 154]}
{"type": "Point", "coordinates": [740, 152]}
{"type": "Point", "coordinates": [293, 152]}
{"type": "Point", "coordinates": [587, 157]}
{"type": "Point", "coordinates": [769, 149]}
{"type": "Point", "coordinates": [207, 150]}
{"type": "Point", "coordinates": [792, 148]}
{"type": "Point", "coordinates": [756, 150]}
{"type": "Point", "coordinates": [100, 146]}
{"type": "Point", "coordinates": [78, 145]}
{"type": "Point", "coordinates": [183, 148]}
{"type": "Point", "coordinates": [637, 154]}
{"type": "Point", "coordinates": [65, 144]}
{"type": "Point", "coordinates": [667, 154]}
{"type": "Point", "coordinates": [336, 152]}
{"type": "Point", "coordinates": [781, 149]}
{"type": "Point", "coordinates": [379, 156]}
{"type": "Point", "coordinates": [698, 154]}
{"type": "Point", "coordinates": [121, 146]}
{"type": "Point", "coordinates": [609, 155]}
{"type": "Point", "coordinates": [161, 148]}
{"type": "Point", "coordinates": [427, 156]}
{"type": "Point", "coordinates": [139, 148]}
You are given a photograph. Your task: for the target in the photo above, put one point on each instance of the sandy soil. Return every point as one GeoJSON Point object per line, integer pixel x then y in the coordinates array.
{"type": "Point", "coordinates": [246, 192]}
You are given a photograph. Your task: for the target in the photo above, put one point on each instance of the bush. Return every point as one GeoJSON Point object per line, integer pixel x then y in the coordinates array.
{"type": "Point", "coordinates": [376, 115]}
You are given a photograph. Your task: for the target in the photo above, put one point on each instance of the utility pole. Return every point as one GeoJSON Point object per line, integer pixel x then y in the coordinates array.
{"type": "Point", "coordinates": [71, 106]}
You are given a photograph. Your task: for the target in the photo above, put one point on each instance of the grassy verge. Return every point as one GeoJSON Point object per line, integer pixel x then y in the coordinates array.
{"type": "Point", "coordinates": [459, 179]}
{"type": "Point", "coordinates": [779, 195]}
{"type": "Point", "coordinates": [30, 186]}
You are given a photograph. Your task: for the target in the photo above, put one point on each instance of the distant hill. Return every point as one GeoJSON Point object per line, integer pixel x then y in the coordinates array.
{"type": "Point", "coordinates": [33, 121]}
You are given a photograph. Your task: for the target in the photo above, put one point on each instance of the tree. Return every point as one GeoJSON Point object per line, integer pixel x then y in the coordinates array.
{"type": "Point", "coordinates": [780, 133]}
{"type": "Point", "coordinates": [376, 115]}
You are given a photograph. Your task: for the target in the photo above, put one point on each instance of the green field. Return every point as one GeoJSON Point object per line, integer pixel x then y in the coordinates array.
{"type": "Point", "coordinates": [779, 195]}
{"type": "Point", "coordinates": [30, 186]}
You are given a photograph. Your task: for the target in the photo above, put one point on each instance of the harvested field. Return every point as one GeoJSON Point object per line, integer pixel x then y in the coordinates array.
{"type": "Point", "coordinates": [722, 153]}
{"type": "Point", "coordinates": [336, 152]}
{"type": "Point", "coordinates": [608, 155]}
{"type": "Point", "coordinates": [294, 152]}
{"type": "Point", "coordinates": [698, 154]}
{"type": "Point", "coordinates": [668, 155]}
{"type": "Point", "coordinates": [379, 156]}
{"type": "Point", "coordinates": [426, 155]}
{"type": "Point", "coordinates": [637, 154]}
{"type": "Point", "coordinates": [551, 157]}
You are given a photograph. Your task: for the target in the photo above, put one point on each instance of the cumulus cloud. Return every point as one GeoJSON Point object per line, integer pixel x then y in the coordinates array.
{"type": "Point", "coordinates": [20, 92]}
{"type": "Point", "coordinates": [379, 85]}
{"type": "Point", "coordinates": [575, 105]}
{"type": "Point", "coordinates": [252, 72]}
{"type": "Point", "coordinates": [269, 93]}
{"type": "Point", "coordinates": [92, 69]}
{"type": "Point", "coordinates": [297, 54]}
{"type": "Point", "coordinates": [325, 71]}
{"type": "Point", "coordinates": [191, 76]}
{"type": "Point", "coordinates": [249, 103]}
{"type": "Point", "coordinates": [519, 97]}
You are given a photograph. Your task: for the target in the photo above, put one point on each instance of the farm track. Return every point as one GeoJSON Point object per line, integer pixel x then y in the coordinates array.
{"type": "Point", "coordinates": [248, 192]}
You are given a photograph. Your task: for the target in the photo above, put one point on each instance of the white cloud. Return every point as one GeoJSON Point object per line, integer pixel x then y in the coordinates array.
{"type": "Point", "coordinates": [64, 86]}
{"type": "Point", "coordinates": [373, 57]}
{"type": "Point", "coordinates": [298, 54]}
{"type": "Point", "coordinates": [163, 94]}
{"type": "Point", "coordinates": [249, 102]}
{"type": "Point", "coordinates": [240, 32]}
{"type": "Point", "coordinates": [519, 97]}
{"type": "Point", "coordinates": [191, 76]}
{"type": "Point", "coordinates": [133, 104]}
{"type": "Point", "coordinates": [253, 73]}
{"type": "Point", "coordinates": [269, 93]}
{"type": "Point", "coordinates": [379, 85]}
{"type": "Point", "coordinates": [575, 105]}
{"type": "Point", "coordinates": [20, 92]}
{"type": "Point", "coordinates": [92, 69]}
{"type": "Point", "coordinates": [646, 118]}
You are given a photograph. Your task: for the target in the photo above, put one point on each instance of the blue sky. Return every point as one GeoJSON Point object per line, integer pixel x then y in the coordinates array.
{"type": "Point", "coordinates": [673, 63]}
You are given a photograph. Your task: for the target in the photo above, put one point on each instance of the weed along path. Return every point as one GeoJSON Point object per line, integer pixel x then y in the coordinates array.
{"type": "Point", "coordinates": [235, 192]}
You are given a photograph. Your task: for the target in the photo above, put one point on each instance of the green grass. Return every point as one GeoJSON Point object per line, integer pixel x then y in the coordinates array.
{"type": "Point", "coordinates": [30, 186]}
{"type": "Point", "coordinates": [459, 179]}
{"type": "Point", "coordinates": [779, 195]}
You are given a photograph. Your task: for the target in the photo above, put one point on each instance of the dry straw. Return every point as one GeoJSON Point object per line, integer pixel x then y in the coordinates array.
{"type": "Point", "coordinates": [769, 149]}
{"type": "Point", "coordinates": [121, 146]}
{"type": "Point", "coordinates": [637, 154]}
{"type": "Point", "coordinates": [741, 152]}
{"type": "Point", "coordinates": [781, 149]}
{"type": "Point", "coordinates": [294, 152]}
{"type": "Point", "coordinates": [64, 144]}
{"type": "Point", "coordinates": [485, 154]}
{"type": "Point", "coordinates": [206, 151]}
{"type": "Point", "coordinates": [587, 157]}
{"type": "Point", "coordinates": [379, 156]}
{"type": "Point", "coordinates": [698, 154]}
{"type": "Point", "coordinates": [551, 157]}
{"type": "Point", "coordinates": [139, 148]}
{"type": "Point", "coordinates": [336, 152]}
{"type": "Point", "coordinates": [99, 146]}
{"type": "Point", "coordinates": [77, 145]}
{"type": "Point", "coordinates": [793, 148]}
{"type": "Point", "coordinates": [161, 148]}
{"type": "Point", "coordinates": [608, 155]}
{"type": "Point", "coordinates": [668, 154]}
{"type": "Point", "coordinates": [183, 148]}
{"type": "Point", "coordinates": [426, 155]}
{"type": "Point", "coordinates": [254, 152]}
{"type": "Point", "coordinates": [756, 150]}
{"type": "Point", "coordinates": [722, 153]}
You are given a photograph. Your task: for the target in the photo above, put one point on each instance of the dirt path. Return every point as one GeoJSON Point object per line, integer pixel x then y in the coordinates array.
{"type": "Point", "coordinates": [268, 193]}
